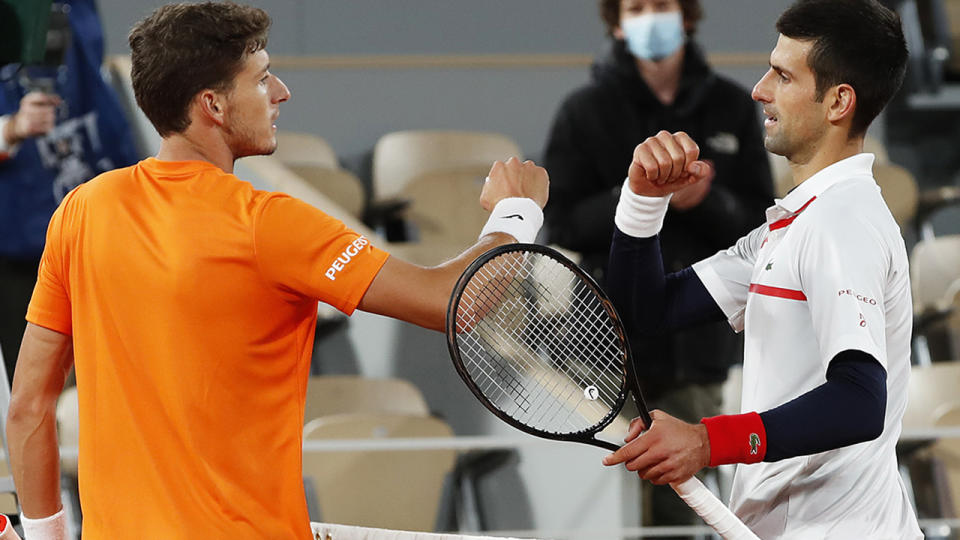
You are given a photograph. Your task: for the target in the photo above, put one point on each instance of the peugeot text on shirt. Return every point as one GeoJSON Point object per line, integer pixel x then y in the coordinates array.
{"type": "Point", "coordinates": [344, 259]}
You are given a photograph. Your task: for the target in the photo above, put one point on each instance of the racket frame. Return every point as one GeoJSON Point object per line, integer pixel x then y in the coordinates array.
{"type": "Point", "coordinates": [631, 381]}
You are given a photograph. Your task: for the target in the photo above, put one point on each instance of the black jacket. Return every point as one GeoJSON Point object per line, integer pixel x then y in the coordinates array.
{"type": "Point", "coordinates": [589, 150]}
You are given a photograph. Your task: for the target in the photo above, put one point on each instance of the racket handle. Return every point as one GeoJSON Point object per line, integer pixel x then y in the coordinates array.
{"type": "Point", "coordinates": [714, 513]}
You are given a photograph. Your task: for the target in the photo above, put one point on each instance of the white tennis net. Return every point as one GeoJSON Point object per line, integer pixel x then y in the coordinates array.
{"type": "Point", "coordinates": [329, 531]}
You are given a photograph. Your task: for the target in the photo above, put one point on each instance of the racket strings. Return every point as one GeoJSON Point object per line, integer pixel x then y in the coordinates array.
{"type": "Point", "coordinates": [539, 344]}
{"type": "Point", "coordinates": [532, 319]}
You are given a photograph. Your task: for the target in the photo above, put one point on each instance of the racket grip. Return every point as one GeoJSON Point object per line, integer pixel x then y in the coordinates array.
{"type": "Point", "coordinates": [714, 513]}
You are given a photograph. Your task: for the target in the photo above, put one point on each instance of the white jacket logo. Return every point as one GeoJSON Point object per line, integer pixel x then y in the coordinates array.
{"type": "Point", "coordinates": [344, 259]}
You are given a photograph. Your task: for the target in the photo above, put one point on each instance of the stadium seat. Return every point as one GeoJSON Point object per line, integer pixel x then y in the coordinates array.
{"type": "Point", "coordinates": [935, 279]}
{"type": "Point", "coordinates": [444, 215]}
{"type": "Point", "coordinates": [394, 489]}
{"type": "Point", "coordinates": [899, 191]}
{"type": "Point", "coordinates": [947, 454]}
{"type": "Point", "coordinates": [931, 467]}
{"type": "Point", "coordinates": [401, 156]}
{"type": "Point", "coordinates": [403, 159]}
{"type": "Point", "coordinates": [311, 158]}
{"type": "Point", "coordinates": [338, 394]}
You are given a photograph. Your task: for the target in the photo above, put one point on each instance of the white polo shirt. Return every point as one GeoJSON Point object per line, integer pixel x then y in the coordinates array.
{"type": "Point", "coordinates": [826, 273]}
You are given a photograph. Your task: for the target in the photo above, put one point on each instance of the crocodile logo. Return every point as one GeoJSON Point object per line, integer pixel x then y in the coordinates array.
{"type": "Point", "coordinates": [754, 444]}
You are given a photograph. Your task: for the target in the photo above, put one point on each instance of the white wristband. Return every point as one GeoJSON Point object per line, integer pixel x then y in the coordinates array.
{"type": "Point", "coordinates": [640, 216]}
{"type": "Point", "coordinates": [519, 217]}
{"type": "Point", "coordinates": [49, 528]}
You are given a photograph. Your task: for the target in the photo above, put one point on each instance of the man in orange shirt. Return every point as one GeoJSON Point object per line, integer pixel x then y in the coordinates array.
{"type": "Point", "coordinates": [187, 301]}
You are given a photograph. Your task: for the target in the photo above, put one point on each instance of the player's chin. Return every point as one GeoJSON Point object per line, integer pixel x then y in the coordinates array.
{"type": "Point", "coordinates": [264, 149]}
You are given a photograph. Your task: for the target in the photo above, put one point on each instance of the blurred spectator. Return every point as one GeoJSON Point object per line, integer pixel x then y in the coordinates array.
{"type": "Point", "coordinates": [654, 78]}
{"type": "Point", "coordinates": [60, 125]}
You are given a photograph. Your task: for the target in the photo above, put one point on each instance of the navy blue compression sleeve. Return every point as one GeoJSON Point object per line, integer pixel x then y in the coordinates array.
{"type": "Point", "coordinates": [848, 408]}
{"type": "Point", "coordinates": [649, 301]}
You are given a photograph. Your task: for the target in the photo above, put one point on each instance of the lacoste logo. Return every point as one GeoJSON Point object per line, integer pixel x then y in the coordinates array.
{"type": "Point", "coordinates": [754, 444]}
{"type": "Point", "coordinates": [518, 216]}
{"type": "Point", "coordinates": [769, 265]}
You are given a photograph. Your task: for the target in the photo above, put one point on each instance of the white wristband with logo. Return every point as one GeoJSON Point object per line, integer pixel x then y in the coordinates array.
{"type": "Point", "coordinates": [49, 528]}
{"type": "Point", "coordinates": [519, 217]}
{"type": "Point", "coordinates": [640, 216]}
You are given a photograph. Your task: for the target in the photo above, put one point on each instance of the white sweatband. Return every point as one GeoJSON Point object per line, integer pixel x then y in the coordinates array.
{"type": "Point", "coordinates": [519, 217]}
{"type": "Point", "coordinates": [49, 528]}
{"type": "Point", "coordinates": [640, 216]}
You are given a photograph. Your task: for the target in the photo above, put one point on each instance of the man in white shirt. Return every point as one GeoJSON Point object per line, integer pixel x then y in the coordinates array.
{"type": "Point", "coordinates": [821, 291]}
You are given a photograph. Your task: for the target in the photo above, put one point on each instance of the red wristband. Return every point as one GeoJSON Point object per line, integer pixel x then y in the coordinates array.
{"type": "Point", "coordinates": [736, 438]}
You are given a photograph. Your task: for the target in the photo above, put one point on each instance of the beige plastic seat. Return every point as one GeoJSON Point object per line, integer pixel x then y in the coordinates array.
{"type": "Point", "coordinates": [313, 159]}
{"type": "Point", "coordinates": [899, 190]}
{"type": "Point", "coordinates": [935, 271]}
{"type": "Point", "coordinates": [934, 402]}
{"type": "Point", "coordinates": [401, 156]}
{"type": "Point", "coordinates": [947, 453]}
{"type": "Point", "coordinates": [337, 394]}
{"type": "Point", "coordinates": [392, 489]}
{"type": "Point", "coordinates": [445, 213]}
{"type": "Point", "coordinates": [296, 148]}
{"type": "Point", "coordinates": [933, 389]}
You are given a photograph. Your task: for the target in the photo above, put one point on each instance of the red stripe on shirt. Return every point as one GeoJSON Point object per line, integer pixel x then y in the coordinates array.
{"type": "Point", "coordinates": [781, 223]}
{"type": "Point", "coordinates": [766, 290]}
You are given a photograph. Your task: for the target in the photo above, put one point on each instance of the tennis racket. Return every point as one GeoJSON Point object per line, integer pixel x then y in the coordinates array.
{"type": "Point", "coordinates": [540, 345]}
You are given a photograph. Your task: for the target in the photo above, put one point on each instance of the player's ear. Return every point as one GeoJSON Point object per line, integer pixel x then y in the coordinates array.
{"type": "Point", "coordinates": [842, 103]}
{"type": "Point", "coordinates": [211, 105]}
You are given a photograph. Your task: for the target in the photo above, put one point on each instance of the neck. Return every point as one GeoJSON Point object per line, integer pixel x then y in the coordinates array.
{"type": "Point", "coordinates": [828, 153]}
{"type": "Point", "coordinates": [663, 76]}
{"type": "Point", "coordinates": [192, 145]}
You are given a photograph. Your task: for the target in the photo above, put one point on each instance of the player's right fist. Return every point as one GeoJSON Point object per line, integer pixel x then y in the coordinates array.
{"type": "Point", "coordinates": [665, 163]}
{"type": "Point", "coordinates": [515, 179]}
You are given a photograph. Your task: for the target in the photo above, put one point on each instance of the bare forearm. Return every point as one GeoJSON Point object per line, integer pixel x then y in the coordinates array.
{"type": "Point", "coordinates": [45, 358]}
{"type": "Point", "coordinates": [420, 295]}
{"type": "Point", "coordinates": [35, 461]}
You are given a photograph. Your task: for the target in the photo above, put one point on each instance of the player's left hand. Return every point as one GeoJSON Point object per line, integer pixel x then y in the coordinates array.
{"type": "Point", "coordinates": [670, 451]}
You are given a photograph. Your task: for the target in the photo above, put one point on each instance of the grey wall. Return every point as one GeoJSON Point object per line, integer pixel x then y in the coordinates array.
{"type": "Point", "coordinates": [351, 108]}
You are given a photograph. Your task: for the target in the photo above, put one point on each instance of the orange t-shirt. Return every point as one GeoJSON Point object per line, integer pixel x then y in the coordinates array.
{"type": "Point", "coordinates": [192, 301]}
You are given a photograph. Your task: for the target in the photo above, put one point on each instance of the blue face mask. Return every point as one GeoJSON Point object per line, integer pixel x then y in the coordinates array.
{"type": "Point", "coordinates": [654, 36]}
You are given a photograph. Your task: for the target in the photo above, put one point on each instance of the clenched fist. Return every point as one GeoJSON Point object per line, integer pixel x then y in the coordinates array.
{"type": "Point", "coordinates": [666, 163]}
{"type": "Point", "coordinates": [515, 179]}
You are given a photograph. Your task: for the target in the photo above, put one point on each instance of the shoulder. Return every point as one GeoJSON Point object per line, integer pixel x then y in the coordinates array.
{"type": "Point", "coordinates": [853, 217]}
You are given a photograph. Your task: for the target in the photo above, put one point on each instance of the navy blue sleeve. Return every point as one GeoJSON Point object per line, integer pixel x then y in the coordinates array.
{"type": "Point", "coordinates": [649, 301]}
{"type": "Point", "coordinates": [848, 408]}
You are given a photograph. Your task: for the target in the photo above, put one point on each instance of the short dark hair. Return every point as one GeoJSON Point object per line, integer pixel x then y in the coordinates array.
{"type": "Point", "coordinates": [857, 42]}
{"type": "Point", "coordinates": [610, 13]}
{"type": "Point", "coordinates": [182, 49]}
